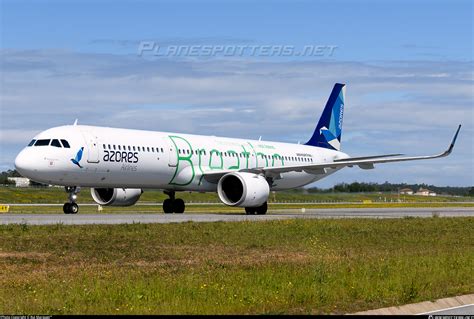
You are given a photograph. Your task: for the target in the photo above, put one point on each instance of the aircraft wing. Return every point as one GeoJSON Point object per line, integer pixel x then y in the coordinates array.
{"type": "Point", "coordinates": [366, 162]}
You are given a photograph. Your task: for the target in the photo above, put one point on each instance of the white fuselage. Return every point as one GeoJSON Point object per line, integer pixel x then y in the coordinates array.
{"type": "Point", "coordinates": [124, 158]}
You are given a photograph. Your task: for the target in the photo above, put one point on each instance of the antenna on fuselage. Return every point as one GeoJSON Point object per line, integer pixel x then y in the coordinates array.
{"type": "Point", "coordinates": [75, 122]}
{"type": "Point", "coordinates": [260, 138]}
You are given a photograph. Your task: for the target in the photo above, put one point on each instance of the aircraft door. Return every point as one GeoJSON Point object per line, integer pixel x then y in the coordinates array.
{"type": "Point", "coordinates": [92, 147]}
{"type": "Point", "coordinates": [172, 155]}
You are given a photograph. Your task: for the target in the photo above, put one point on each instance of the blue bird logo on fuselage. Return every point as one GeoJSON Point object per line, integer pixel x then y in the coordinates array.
{"type": "Point", "coordinates": [78, 157]}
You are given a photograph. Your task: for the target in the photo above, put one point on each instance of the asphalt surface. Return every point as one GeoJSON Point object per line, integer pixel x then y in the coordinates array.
{"type": "Point", "coordinates": [130, 218]}
{"type": "Point", "coordinates": [455, 311]}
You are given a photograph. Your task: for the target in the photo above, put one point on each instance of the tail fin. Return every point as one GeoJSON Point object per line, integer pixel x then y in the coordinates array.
{"type": "Point", "coordinates": [329, 129]}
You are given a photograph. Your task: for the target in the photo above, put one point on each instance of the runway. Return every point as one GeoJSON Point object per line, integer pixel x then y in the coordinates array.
{"type": "Point", "coordinates": [130, 218]}
{"type": "Point", "coordinates": [465, 310]}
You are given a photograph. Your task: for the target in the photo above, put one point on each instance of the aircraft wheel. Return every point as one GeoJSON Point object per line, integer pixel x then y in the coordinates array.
{"type": "Point", "coordinates": [262, 210]}
{"type": "Point", "coordinates": [168, 206]}
{"type": "Point", "coordinates": [66, 208]}
{"type": "Point", "coordinates": [70, 208]}
{"type": "Point", "coordinates": [178, 206]}
{"type": "Point", "coordinates": [250, 210]}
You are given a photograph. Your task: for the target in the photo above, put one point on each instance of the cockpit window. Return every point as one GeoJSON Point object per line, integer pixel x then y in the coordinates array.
{"type": "Point", "coordinates": [32, 142]}
{"type": "Point", "coordinates": [65, 144]}
{"type": "Point", "coordinates": [55, 143]}
{"type": "Point", "coordinates": [42, 142]}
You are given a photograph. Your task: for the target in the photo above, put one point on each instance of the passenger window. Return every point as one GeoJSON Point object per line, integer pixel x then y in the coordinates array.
{"type": "Point", "coordinates": [65, 144]}
{"type": "Point", "coordinates": [147, 149]}
{"type": "Point", "coordinates": [119, 148]}
{"type": "Point", "coordinates": [103, 146]}
{"type": "Point", "coordinates": [42, 142]}
{"type": "Point", "coordinates": [55, 143]}
{"type": "Point", "coordinates": [162, 150]}
{"type": "Point", "coordinates": [32, 142]}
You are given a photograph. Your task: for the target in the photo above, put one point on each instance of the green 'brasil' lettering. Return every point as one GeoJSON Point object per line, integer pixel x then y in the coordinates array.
{"type": "Point", "coordinates": [213, 153]}
{"type": "Point", "coordinates": [182, 158]}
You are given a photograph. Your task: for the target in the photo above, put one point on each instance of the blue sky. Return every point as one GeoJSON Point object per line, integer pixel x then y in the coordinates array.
{"type": "Point", "coordinates": [408, 66]}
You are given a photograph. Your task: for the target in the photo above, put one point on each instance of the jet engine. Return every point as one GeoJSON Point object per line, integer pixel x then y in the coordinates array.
{"type": "Point", "coordinates": [243, 189]}
{"type": "Point", "coordinates": [116, 196]}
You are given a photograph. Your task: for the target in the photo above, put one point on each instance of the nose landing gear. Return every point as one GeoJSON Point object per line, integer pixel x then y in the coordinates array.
{"type": "Point", "coordinates": [71, 207]}
{"type": "Point", "coordinates": [172, 204]}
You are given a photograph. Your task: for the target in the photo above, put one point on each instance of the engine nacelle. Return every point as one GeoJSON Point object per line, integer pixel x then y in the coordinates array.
{"type": "Point", "coordinates": [116, 196]}
{"type": "Point", "coordinates": [243, 189]}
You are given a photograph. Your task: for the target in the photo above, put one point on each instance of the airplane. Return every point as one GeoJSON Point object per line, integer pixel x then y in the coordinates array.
{"type": "Point", "coordinates": [118, 164]}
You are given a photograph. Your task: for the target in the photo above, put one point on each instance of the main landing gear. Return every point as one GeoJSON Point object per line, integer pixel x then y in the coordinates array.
{"type": "Point", "coordinates": [172, 204]}
{"type": "Point", "coordinates": [71, 207]}
{"type": "Point", "coordinates": [260, 210]}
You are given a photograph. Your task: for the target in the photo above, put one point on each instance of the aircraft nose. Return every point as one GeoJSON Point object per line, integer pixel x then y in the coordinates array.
{"type": "Point", "coordinates": [24, 164]}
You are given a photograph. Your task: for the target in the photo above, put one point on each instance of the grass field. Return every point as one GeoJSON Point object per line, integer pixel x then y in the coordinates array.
{"type": "Point", "coordinates": [291, 266]}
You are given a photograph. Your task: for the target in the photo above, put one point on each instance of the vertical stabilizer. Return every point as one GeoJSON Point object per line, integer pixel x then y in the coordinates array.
{"type": "Point", "coordinates": [329, 129]}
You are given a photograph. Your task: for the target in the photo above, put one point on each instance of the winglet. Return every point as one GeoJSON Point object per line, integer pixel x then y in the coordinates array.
{"type": "Point", "coordinates": [75, 122]}
{"type": "Point", "coordinates": [450, 149]}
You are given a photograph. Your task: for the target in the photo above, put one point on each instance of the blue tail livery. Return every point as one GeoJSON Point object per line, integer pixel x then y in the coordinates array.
{"type": "Point", "coordinates": [78, 157]}
{"type": "Point", "coordinates": [329, 129]}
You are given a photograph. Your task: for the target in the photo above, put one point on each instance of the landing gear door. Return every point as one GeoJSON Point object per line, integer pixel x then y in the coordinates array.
{"type": "Point", "coordinates": [92, 147]}
{"type": "Point", "coordinates": [171, 152]}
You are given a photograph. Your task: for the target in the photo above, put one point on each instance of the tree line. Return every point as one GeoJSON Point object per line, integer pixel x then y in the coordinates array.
{"type": "Point", "coordinates": [361, 187]}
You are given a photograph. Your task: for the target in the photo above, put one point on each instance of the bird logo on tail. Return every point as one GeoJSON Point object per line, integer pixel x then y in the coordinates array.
{"type": "Point", "coordinates": [78, 157]}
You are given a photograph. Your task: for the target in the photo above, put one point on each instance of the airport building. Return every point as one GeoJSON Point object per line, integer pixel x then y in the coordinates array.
{"type": "Point", "coordinates": [425, 192]}
{"type": "Point", "coordinates": [406, 191]}
{"type": "Point", "coordinates": [419, 192]}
